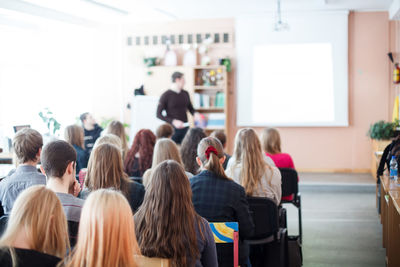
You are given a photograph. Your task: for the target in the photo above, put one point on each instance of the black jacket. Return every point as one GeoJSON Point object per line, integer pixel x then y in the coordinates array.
{"type": "Point", "coordinates": [91, 137]}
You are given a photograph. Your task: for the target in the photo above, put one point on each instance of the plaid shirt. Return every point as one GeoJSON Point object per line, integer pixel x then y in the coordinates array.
{"type": "Point", "coordinates": [221, 200]}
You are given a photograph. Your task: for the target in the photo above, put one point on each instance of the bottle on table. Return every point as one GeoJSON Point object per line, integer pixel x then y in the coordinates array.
{"type": "Point", "coordinates": [393, 168]}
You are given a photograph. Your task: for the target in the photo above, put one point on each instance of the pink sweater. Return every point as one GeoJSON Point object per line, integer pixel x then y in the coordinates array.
{"type": "Point", "coordinates": [282, 160]}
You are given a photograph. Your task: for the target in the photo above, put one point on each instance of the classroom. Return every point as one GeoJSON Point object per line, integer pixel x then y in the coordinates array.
{"type": "Point", "coordinates": [200, 133]}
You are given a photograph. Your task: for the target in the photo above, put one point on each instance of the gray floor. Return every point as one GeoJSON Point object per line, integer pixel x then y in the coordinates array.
{"type": "Point", "coordinates": [340, 222]}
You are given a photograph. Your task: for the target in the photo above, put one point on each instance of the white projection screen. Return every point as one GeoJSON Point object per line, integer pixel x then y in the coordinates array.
{"type": "Point", "coordinates": [293, 78]}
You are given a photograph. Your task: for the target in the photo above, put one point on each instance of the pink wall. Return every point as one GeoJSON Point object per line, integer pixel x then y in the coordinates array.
{"type": "Point", "coordinates": [348, 148]}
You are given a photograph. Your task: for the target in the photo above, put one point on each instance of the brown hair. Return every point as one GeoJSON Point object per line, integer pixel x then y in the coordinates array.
{"type": "Point", "coordinates": [271, 141]}
{"type": "Point", "coordinates": [144, 145]}
{"type": "Point", "coordinates": [74, 135]}
{"type": "Point", "coordinates": [105, 170]}
{"type": "Point", "coordinates": [212, 162]}
{"type": "Point", "coordinates": [248, 153]}
{"type": "Point", "coordinates": [165, 223]}
{"type": "Point", "coordinates": [118, 129]}
{"type": "Point", "coordinates": [56, 156]}
{"type": "Point", "coordinates": [165, 130]}
{"type": "Point", "coordinates": [27, 143]}
{"type": "Point", "coordinates": [39, 213]}
{"type": "Point", "coordinates": [220, 135]}
{"type": "Point", "coordinates": [106, 235]}
{"type": "Point", "coordinates": [189, 149]}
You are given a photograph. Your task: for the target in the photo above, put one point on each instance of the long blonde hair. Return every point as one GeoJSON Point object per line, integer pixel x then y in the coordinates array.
{"type": "Point", "coordinates": [105, 169]}
{"type": "Point", "coordinates": [248, 153]}
{"type": "Point", "coordinates": [106, 232]}
{"type": "Point", "coordinates": [118, 129]}
{"type": "Point", "coordinates": [211, 161]}
{"type": "Point", "coordinates": [164, 149]}
{"type": "Point", "coordinates": [271, 141]}
{"type": "Point", "coordinates": [165, 223]}
{"type": "Point", "coordinates": [39, 213]}
{"type": "Point", "coordinates": [74, 135]}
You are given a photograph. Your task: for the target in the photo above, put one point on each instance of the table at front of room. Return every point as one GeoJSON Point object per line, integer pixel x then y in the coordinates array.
{"type": "Point", "coordinates": [390, 218]}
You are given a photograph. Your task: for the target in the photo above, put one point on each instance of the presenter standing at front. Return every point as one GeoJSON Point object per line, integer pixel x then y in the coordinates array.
{"type": "Point", "coordinates": [176, 102]}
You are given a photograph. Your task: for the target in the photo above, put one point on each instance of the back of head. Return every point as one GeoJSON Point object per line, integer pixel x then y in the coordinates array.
{"type": "Point", "coordinates": [56, 156]}
{"type": "Point", "coordinates": [105, 169]}
{"type": "Point", "coordinates": [39, 213]}
{"type": "Point", "coordinates": [220, 135]}
{"type": "Point", "coordinates": [165, 131]}
{"type": "Point", "coordinates": [106, 232]}
{"type": "Point", "coordinates": [189, 149]}
{"type": "Point", "coordinates": [210, 151]}
{"type": "Point", "coordinates": [117, 128]}
{"type": "Point", "coordinates": [248, 153]}
{"type": "Point", "coordinates": [144, 145]}
{"type": "Point", "coordinates": [165, 149]}
{"type": "Point", "coordinates": [109, 138]}
{"type": "Point", "coordinates": [167, 206]}
{"type": "Point", "coordinates": [27, 143]}
{"type": "Point", "coordinates": [74, 135]}
{"type": "Point", "coordinates": [271, 141]}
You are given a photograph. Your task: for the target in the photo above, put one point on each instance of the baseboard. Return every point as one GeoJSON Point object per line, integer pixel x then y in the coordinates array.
{"type": "Point", "coordinates": [334, 170]}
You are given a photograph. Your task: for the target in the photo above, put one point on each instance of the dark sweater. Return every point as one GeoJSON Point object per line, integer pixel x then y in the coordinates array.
{"type": "Point", "coordinates": [176, 105]}
{"type": "Point", "coordinates": [28, 258]}
{"type": "Point", "coordinates": [82, 158]}
{"type": "Point", "coordinates": [91, 137]}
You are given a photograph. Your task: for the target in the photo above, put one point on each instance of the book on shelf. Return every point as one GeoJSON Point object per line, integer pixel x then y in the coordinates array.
{"type": "Point", "coordinates": [208, 101]}
{"type": "Point", "coordinates": [216, 120]}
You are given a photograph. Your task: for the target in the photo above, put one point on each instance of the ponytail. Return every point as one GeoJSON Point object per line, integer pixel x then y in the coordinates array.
{"type": "Point", "coordinates": [210, 152]}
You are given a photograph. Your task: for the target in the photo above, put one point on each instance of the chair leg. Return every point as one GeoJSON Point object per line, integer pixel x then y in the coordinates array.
{"type": "Point", "coordinates": [300, 222]}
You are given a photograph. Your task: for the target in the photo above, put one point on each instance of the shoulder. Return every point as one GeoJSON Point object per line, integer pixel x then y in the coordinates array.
{"type": "Point", "coordinates": [28, 257]}
{"type": "Point", "coordinates": [167, 93]}
{"type": "Point", "coordinates": [135, 186]}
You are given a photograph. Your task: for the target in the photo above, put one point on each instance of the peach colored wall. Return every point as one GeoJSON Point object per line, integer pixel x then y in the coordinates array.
{"type": "Point", "coordinates": [348, 148]}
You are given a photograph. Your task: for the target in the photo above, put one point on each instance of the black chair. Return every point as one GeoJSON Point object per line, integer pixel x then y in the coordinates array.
{"type": "Point", "coordinates": [267, 232]}
{"type": "Point", "coordinates": [3, 224]}
{"type": "Point", "coordinates": [73, 232]}
{"type": "Point", "coordinates": [290, 186]}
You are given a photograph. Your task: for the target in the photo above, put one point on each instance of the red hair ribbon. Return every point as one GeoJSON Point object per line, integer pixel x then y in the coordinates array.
{"type": "Point", "coordinates": [209, 150]}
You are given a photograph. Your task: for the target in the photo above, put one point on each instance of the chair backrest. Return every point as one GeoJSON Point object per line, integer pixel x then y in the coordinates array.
{"type": "Point", "coordinates": [3, 224]}
{"type": "Point", "coordinates": [290, 183]}
{"type": "Point", "coordinates": [73, 232]}
{"type": "Point", "coordinates": [143, 261]}
{"type": "Point", "coordinates": [227, 232]}
{"type": "Point", "coordinates": [265, 216]}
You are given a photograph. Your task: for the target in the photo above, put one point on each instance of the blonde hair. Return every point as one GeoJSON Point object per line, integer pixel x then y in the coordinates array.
{"type": "Point", "coordinates": [106, 234]}
{"type": "Point", "coordinates": [248, 153]}
{"type": "Point", "coordinates": [117, 128]}
{"type": "Point", "coordinates": [211, 163]}
{"type": "Point", "coordinates": [271, 141]}
{"type": "Point", "coordinates": [105, 169]}
{"type": "Point", "coordinates": [74, 135]}
{"type": "Point", "coordinates": [39, 213]}
{"type": "Point", "coordinates": [109, 139]}
{"type": "Point", "coordinates": [164, 149]}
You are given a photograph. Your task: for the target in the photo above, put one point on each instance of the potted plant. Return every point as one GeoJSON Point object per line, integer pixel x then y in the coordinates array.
{"type": "Point", "coordinates": [52, 125]}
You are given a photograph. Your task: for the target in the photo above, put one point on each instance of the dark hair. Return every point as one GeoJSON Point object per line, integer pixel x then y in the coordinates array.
{"type": "Point", "coordinates": [176, 75]}
{"type": "Point", "coordinates": [189, 149]}
{"type": "Point", "coordinates": [83, 116]}
{"type": "Point", "coordinates": [27, 143]}
{"type": "Point", "coordinates": [144, 145]}
{"type": "Point", "coordinates": [56, 156]}
{"type": "Point", "coordinates": [165, 130]}
{"type": "Point", "coordinates": [220, 135]}
{"type": "Point", "coordinates": [167, 205]}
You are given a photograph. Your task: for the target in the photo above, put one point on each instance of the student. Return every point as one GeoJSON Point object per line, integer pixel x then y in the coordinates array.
{"type": "Point", "coordinates": [165, 131]}
{"type": "Point", "coordinates": [58, 164]}
{"type": "Point", "coordinates": [105, 170]}
{"type": "Point", "coordinates": [139, 157]}
{"type": "Point", "coordinates": [91, 129]}
{"type": "Point", "coordinates": [189, 147]}
{"type": "Point", "coordinates": [167, 226]}
{"type": "Point", "coordinates": [271, 143]}
{"type": "Point", "coordinates": [219, 199]}
{"type": "Point", "coordinates": [176, 102]}
{"type": "Point", "coordinates": [106, 232]}
{"type": "Point", "coordinates": [163, 150]}
{"type": "Point", "coordinates": [117, 128]}
{"type": "Point", "coordinates": [36, 233]}
{"type": "Point", "coordinates": [74, 135]}
{"type": "Point", "coordinates": [251, 171]}
{"type": "Point", "coordinates": [27, 144]}
{"type": "Point", "coordinates": [220, 135]}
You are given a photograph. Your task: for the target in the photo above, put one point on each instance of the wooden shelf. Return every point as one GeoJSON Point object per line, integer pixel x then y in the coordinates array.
{"type": "Point", "coordinates": [208, 87]}
{"type": "Point", "coordinates": [213, 128]}
{"type": "Point", "coordinates": [211, 109]}
{"type": "Point", "coordinates": [211, 67]}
